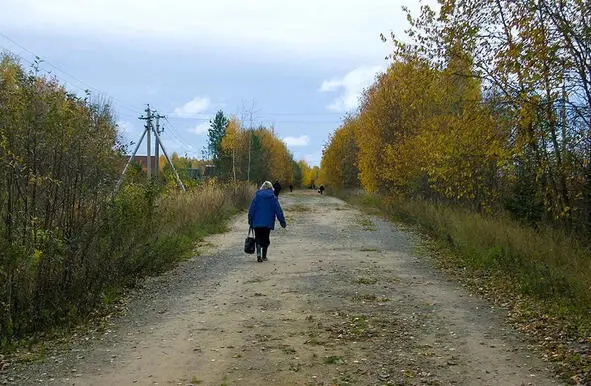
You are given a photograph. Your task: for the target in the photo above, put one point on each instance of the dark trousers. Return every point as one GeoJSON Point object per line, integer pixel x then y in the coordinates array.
{"type": "Point", "coordinates": [261, 237]}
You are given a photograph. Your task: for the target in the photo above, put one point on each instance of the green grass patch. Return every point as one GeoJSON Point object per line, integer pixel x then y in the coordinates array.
{"type": "Point", "coordinates": [170, 249]}
{"type": "Point", "coordinates": [358, 325]}
{"type": "Point", "coordinates": [288, 350]}
{"type": "Point", "coordinates": [366, 224]}
{"type": "Point", "coordinates": [112, 294]}
{"type": "Point", "coordinates": [334, 360]}
{"type": "Point", "coordinates": [366, 280]}
{"type": "Point", "coordinates": [297, 208]}
{"type": "Point", "coordinates": [371, 298]}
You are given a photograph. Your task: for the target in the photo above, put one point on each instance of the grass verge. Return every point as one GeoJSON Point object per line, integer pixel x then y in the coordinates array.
{"type": "Point", "coordinates": [542, 276]}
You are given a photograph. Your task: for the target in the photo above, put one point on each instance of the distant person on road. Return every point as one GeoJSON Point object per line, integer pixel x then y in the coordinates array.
{"type": "Point", "coordinates": [261, 217]}
{"type": "Point", "coordinates": [276, 188]}
{"type": "Point", "coordinates": [321, 189]}
{"type": "Point", "coordinates": [291, 187]}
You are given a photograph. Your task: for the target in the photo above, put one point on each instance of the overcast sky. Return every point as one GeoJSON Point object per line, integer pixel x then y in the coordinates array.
{"type": "Point", "coordinates": [298, 65]}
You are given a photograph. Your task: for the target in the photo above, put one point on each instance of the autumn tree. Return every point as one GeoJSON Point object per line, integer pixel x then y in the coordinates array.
{"type": "Point", "coordinates": [59, 161]}
{"type": "Point", "coordinates": [266, 158]}
{"type": "Point", "coordinates": [393, 112]}
{"type": "Point", "coordinates": [338, 167]}
{"type": "Point", "coordinates": [422, 132]}
{"type": "Point", "coordinates": [307, 173]}
{"type": "Point", "coordinates": [231, 143]}
{"type": "Point", "coordinates": [486, 104]}
{"type": "Point", "coordinates": [532, 58]}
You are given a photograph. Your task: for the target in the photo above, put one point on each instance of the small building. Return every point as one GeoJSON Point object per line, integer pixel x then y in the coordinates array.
{"type": "Point", "coordinates": [209, 171]}
{"type": "Point", "coordinates": [142, 160]}
{"type": "Point", "coordinates": [194, 173]}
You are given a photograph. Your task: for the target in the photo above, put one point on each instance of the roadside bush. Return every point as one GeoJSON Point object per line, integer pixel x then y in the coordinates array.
{"type": "Point", "coordinates": [67, 241]}
{"type": "Point", "coordinates": [143, 230]}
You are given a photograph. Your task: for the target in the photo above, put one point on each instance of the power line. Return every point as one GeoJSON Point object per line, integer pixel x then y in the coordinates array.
{"type": "Point", "coordinates": [181, 143]}
{"type": "Point", "coordinates": [300, 117]}
{"type": "Point", "coordinates": [87, 86]}
{"type": "Point", "coordinates": [173, 132]}
{"type": "Point", "coordinates": [307, 121]}
{"type": "Point", "coordinates": [276, 121]}
{"type": "Point", "coordinates": [134, 109]}
{"type": "Point", "coordinates": [17, 44]}
{"type": "Point", "coordinates": [120, 104]}
{"type": "Point", "coordinates": [17, 55]}
{"type": "Point", "coordinates": [304, 113]}
{"type": "Point", "coordinates": [32, 64]}
{"type": "Point", "coordinates": [296, 113]}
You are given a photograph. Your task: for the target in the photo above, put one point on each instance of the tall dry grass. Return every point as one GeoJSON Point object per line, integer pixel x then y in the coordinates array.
{"type": "Point", "coordinates": [544, 263]}
{"type": "Point", "coordinates": [184, 217]}
{"type": "Point", "coordinates": [143, 230]}
{"type": "Point", "coordinates": [208, 203]}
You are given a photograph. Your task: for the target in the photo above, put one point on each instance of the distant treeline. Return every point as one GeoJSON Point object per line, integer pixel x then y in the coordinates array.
{"type": "Point", "coordinates": [254, 154]}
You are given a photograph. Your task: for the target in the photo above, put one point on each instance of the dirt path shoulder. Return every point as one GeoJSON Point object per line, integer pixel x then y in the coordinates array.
{"type": "Point", "coordinates": [343, 299]}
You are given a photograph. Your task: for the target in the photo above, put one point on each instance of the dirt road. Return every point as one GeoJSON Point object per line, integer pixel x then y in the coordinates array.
{"type": "Point", "coordinates": [345, 298]}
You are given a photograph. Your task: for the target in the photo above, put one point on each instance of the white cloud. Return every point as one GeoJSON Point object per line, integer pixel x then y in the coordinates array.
{"type": "Point", "coordinates": [352, 84]}
{"type": "Point", "coordinates": [330, 85]}
{"type": "Point", "coordinates": [200, 128]}
{"type": "Point", "coordinates": [302, 140]}
{"type": "Point", "coordinates": [192, 108]}
{"type": "Point", "coordinates": [313, 159]}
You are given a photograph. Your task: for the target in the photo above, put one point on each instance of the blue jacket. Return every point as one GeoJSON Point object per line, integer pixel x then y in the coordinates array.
{"type": "Point", "coordinates": [263, 210]}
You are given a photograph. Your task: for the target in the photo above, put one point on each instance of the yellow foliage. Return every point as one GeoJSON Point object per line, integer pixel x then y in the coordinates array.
{"type": "Point", "coordinates": [419, 131]}
{"type": "Point", "coordinates": [338, 168]}
{"type": "Point", "coordinates": [310, 175]}
{"type": "Point", "coordinates": [393, 110]}
{"type": "Point", "coordinates": [257, 154]}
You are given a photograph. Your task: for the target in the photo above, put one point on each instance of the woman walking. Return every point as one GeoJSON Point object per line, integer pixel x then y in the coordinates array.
{"type": "Point", "coordinates": [261, 217]}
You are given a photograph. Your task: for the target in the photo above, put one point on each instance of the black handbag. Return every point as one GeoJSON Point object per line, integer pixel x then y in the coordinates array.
{"type": "Point", "coordinates": [249, 242]}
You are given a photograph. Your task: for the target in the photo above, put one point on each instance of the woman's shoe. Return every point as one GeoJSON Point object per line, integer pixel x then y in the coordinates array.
{"type": "Point", "coordinates": [259, 259]}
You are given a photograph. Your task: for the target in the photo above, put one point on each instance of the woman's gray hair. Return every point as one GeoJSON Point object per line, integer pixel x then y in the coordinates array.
{"type": "Point", "coordinates": [266, 185]}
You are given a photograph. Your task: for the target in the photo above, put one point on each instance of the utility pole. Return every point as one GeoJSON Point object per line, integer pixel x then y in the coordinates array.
{"type": "Point", "coordinates": [249, 146]}
{"type": "Point", "coordinates": [251, 112]}
{"type": "Point", "coordinates": [169, 161]}
{"type": "Point", "coordinates": [130, 160]}
{"type": "Point", "coordinates": [149, 143]}
{"type": "Point", "coordinates": [158, 144]}
{"type": "Point", "coordinates": [148, 129]}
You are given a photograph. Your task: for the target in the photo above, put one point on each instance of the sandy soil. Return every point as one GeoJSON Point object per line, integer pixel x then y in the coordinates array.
{"type": "Point", "coordinates": [345, 298]}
